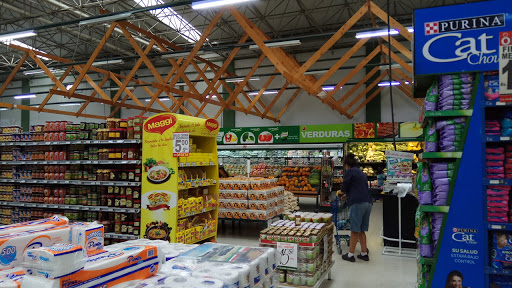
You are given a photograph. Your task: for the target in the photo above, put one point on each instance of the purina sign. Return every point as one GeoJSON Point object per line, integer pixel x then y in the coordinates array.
{"type": "Point", "coordinates": [460, 38]}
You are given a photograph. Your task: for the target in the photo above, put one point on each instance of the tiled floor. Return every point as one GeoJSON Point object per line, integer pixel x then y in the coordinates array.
{"type": "Point", "coordinates": [382, 271]}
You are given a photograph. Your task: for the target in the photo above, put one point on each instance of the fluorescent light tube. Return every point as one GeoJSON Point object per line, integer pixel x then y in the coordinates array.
{"type": "Point", "coordinates": [69, 86]}
{"type": "Point", "coordinates": [17, 35]}
{"type": "Point", "coordinates": [393, 83]}
{"type": "Point", "coordinates": [329, 88]}
{"type": "Point", "coordinates": [180, 54]}
{"type": "Point", "coordinates": [386, 66]}
{"type": "Point", "coordinates": [240, 79]}
{"type": "Point", "coordinates": [289, 43]}
{"type": "Point", "coordinates": [215, 3]}
{"type": "Point", "coordinates": [40, 71]}
{"type": "Point", "coordinates": [117, 88]}
{"type": "Point", "coordinates": [161, 99]}
{"type": "Point", "coordinates": [180, 84]}
{"type": "Point", "coordinates": [106, 19]}
{"type": "Point", "coordinates": [382, 32]}
{"type": "Point", "coordinates": [71, 104]}
{"type": "Point", "coordinates": [210, 56]}
{"type": "Point", "coordinates": [3, 109]}
{"type": "Point", "coordinates": [25, 96]}
{"type": "Point", "coordinates": [316, 72]}
{"type": "Point", "coordinates": [107, 62]}
{"type": "Point", "coordinates": [211, 96]}
{"type": "Point", "coordinates": [267, 92]}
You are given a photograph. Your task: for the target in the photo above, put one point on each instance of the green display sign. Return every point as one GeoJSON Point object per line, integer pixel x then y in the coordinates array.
{"type": "Point", "coordinates": [333, 133]}
{"type": "Point", "coordinates": [259, 135]}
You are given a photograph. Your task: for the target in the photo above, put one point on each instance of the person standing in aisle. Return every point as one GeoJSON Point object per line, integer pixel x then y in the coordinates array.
{"type": "Point", "coordinates": [380, 177]}
{"type": "Point", "coordinates": [359, 199]}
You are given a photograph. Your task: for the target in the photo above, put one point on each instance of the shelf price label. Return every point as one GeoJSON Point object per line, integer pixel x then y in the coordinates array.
{"type": "Point", "coordinates": [287, 254]}
{"type": "Point", "coordinates": [180, 144]}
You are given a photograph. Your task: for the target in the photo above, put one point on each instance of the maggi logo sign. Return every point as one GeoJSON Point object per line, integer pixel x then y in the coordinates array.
{"type": "Point", "coordinates": [160, 123]}
{"type": "Point", "coordinates": [212, 125]}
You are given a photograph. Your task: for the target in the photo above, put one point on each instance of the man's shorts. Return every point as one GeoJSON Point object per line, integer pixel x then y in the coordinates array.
{"type": "Point", "coordinates": [360, 217]}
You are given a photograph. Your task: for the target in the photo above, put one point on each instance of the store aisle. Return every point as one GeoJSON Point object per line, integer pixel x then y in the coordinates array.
{"type": "Point", "coordinates": [381, 271]}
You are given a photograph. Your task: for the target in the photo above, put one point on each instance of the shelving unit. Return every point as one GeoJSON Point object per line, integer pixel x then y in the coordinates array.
{"type": "Point", "coordinates": [52, 184]}
{"type": "Point", "coordinates": [182, 206]}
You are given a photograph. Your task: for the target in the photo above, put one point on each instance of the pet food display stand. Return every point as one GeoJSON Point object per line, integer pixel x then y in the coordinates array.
{"type": "Point", "coordinates": [463, 245]}
{"type": "Point", "coordinates": [180, 188]}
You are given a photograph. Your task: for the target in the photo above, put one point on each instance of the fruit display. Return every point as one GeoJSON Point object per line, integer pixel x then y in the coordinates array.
{"type": "Point", "coordinates": [300, 178]}
{"type": "Point", "coordinates": [374, 151]}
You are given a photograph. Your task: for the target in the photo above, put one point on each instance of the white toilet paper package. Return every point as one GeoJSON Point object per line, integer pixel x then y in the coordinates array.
{"type": "Point", "coordinates": [14, 245]}
{"type": "Point", "coordinates": [170, 250]}
{"type": "Point", "coordinates": [11, 278]}
{"type": "Point", "coordinates": [46, 223]}
{"type": "Point", "coordinates": [90, 236]}
{"type": "Point", "coordinates": [106, 269]}
{"type": "Point", "coordinates": [55, 261]}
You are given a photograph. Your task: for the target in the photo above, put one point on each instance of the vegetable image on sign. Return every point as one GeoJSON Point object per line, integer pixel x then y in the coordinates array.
{"type": "Point", "coordinates": [160, 123]}
{"type": "Point", "coordinates": [230, 138]}
{"type": "Point", "coordinates": [248, 138]}
{"type": "Point", "coordinates": [266, 137]}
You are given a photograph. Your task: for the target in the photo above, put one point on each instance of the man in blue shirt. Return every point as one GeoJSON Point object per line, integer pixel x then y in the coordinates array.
{"type": "Point", "coordinates": [359, 199]}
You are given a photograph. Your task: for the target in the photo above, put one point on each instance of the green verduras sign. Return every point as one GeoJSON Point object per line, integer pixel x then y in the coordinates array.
{"type": "Point", "coordinates": [325, 133]}
{"type": "Point", "coordinates": [259, 135]}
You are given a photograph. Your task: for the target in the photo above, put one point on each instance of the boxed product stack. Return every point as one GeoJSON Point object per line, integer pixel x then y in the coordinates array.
{"type": "Point", "coordinates": [250, 198]}
{"type": "Point", "coordinates": [315, 246]}
{"type": "Point", "coordinates": [291, 203]}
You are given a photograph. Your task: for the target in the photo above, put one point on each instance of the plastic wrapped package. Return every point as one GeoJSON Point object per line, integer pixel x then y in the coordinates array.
{"type": "Point", "coordinates": [56, 220]}
{"type": "Point", "coordinates": [432, 97]}
{"type": "Point", "coordinates": [448, 80]}
{"type": "Point", "coordinates": [501, 250]}
{"type": "Point", "coordinates": [55, 261]}
{"type": "Point", "coordinates": [431, 138]}
{"type": "Point", "coordinates": [426, 243]}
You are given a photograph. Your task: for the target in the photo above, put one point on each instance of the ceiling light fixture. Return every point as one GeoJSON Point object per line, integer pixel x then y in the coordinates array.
{"type": "Point", "coordinates": [117, 88]}
{"type": "Point", "coordinates": [41, 71]}
{"type": "Point", "coordinates": [211, 96]}
{"type": "Point", "coordinates": [289, 43]}
{"type": "Point", "coordinates": [240, 79]}
{"type": "Point", "coordinates": [267, 92]}
{"type": "Point", "coordinates": [17, 35]}
{"type": "Point", "coordinates": [383, 32]}
{"type": "Point", "coordinates": [316, 72]}
{"type": "Point", "coordinates": [106, 18]}
{"type": "Point", "coordinates": [108, 62]}
{"type": "Point", "coordinates": [393, 83]}
{"type": "Point", "coordinates": [180, 54]}
{"type": "Point", "coordinates": [215, 3]}
{"type": "Point", "coordinates": [69, 86]}
{"type": "Point", "coordinates": [329, 88]}
{"type": "Point", "coordinates": [25, 96]}
{"type": "Point", "coordinates": [386, 66]}
{"type": "Point", "coordinates": [71, 104]}
{"type": "Point", "coordinates": [3, 109]}
{"type": "Point", "coordinates": [161, 99]}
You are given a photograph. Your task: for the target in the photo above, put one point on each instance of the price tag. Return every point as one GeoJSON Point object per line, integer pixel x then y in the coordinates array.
{"type": "Point", "coordinates": [180, 144]}
{"type": "Point", "coordinates": [504, 138]}
{"type": "Point", "coordinates": [187, 164]}
{"type": "Point", "coordinates": [287, 254]}
{"type": "Point", "coordinates": [497, 227]}
{"type": "Point", "coordinates": [494, 182]}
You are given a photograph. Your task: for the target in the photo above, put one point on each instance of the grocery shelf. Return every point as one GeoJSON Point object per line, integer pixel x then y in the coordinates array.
{"type": "Point", "coordinates": [497, 138]}
{"type": "Point", "coordinates": [448, 113]}
{"type": "Point", "coordinates": [72, 162]}
{"type": "Point", "coordinates": [440, 155]}
{"type": "Point", "coordinates": [77, 142]}
{"type": "Point", "coordinates": [197, 212]}
{"type": "Point", "coordinates": [498, 182]}
{"type": "Point", "coordinates": [499, 226]}
{"type": "Point", "coordinates": [205, 238]}
{"type": "Point", "coordinates": [497, 104]}
{"type": "Point", "coordinates": [70, 207]}
{"type": "Point", "coordinates": [426, 261]}
{"type": "Point", "coordinates": [497, 271]}
{"type": "Point", "coordinates": [195, 164]}
{"type": "Point", "coordinates": [121, 236]}
{"type": "Point", "coordinates": [70, 182]}
{"type": "Point", "coordinates": [432, 208]}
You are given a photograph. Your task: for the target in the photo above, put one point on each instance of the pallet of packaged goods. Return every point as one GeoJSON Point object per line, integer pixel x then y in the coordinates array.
{"type": "Point", "coordinates": [313, 234]}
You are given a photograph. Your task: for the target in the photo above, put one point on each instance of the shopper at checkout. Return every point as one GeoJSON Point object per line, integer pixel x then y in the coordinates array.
{"type": "Point", "coordinates": [355, 191]}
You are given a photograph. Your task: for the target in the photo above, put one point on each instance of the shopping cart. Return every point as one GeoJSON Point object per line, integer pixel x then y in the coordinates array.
{"type": "Point", "coordinates": [340, 216]}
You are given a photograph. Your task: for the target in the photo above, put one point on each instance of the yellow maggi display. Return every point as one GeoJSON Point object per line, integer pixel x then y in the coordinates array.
{"type": "Point", "coordinates": [179, 190]}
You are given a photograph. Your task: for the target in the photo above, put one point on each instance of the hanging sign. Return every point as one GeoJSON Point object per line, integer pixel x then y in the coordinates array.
{"type": "Point", "coordinates": [399, 166]}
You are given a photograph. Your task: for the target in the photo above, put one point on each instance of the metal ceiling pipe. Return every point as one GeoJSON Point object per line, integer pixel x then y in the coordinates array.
{"type": "Point", "coordinates": [70, 31]}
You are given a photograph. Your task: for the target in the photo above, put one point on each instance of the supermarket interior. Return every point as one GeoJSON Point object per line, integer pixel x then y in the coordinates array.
{"type": "Point", "coordinates": [255, 143]}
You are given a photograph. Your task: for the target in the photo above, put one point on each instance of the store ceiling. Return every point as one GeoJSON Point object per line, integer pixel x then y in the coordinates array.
{"type": "Point", "coordinates": [280, 19]}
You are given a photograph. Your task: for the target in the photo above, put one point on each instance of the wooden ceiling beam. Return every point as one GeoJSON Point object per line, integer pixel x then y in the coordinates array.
{"type": "Point", "coordinates": [61, 79]}
{"type": "Point", "coordinates": [393, 23]}
{"type": "Point", "coordinates": [397, 59]}
{"type": "Point", "coordinates": [240, 86]}
{"type": "Point", "coordinates": [366, 90]}
{"type": "Point", "coordinates": [46, 70]}
{"type": "Point", "coordinates": [262, 90]}
{"type": "Point", "coordinates": [358, 85]}
{"type": "Point", "coordinates": [334, 38]}
{"type": "Point", "coordinates": [370, 98]}
{"type": "Point", "coordinates": [278, 95]}
{"type": "Point", "coordinates": [82, 108]}
{"type": "Point", "coordinates": [13, 73]}
{"type": "Point", "coordinates": [46, 110]}
{"type": "Point", "coordinates": [290, 101]}
{"type": "Point", "coordinates": [352, 73]}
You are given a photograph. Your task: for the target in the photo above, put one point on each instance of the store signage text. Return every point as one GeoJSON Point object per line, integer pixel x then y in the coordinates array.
{"type": "Point", "coordinates": [326, 134]}
{"type": "Point", "coordinates": [160, 123]}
